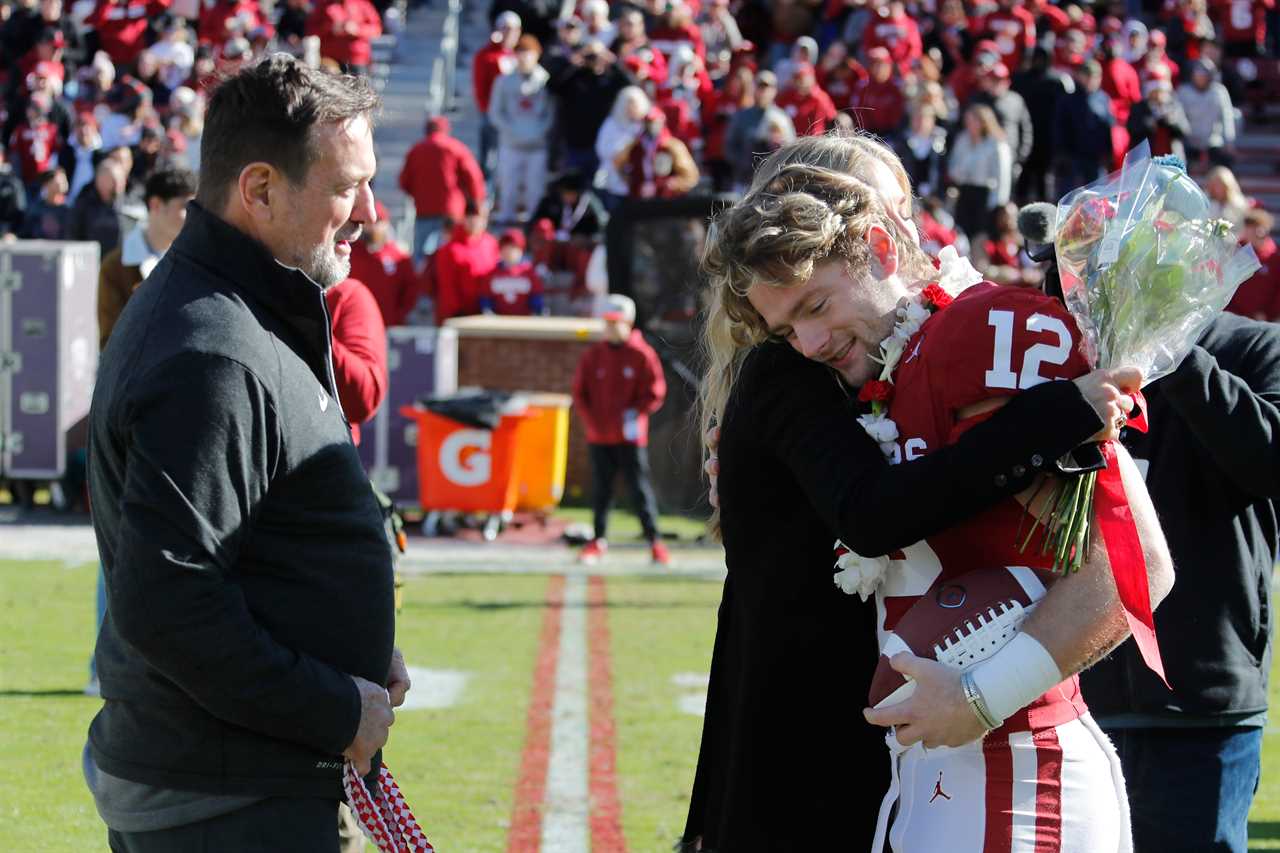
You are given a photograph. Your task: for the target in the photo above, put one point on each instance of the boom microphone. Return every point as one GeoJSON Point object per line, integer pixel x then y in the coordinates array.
{"type": "Point", "coordinates": [1038, 224]}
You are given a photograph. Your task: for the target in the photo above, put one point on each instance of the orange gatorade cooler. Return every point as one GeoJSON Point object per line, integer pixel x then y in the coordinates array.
{"type": "Point", "coordinates": [465, 467]}
{"type": "Point", "coordinates": [544, 452]}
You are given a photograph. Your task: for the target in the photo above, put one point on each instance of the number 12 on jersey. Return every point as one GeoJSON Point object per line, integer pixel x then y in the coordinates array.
{"type": "Point", "coordinates": [1001, 374]}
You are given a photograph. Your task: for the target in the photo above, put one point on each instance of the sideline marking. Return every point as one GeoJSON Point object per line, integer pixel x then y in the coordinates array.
{"type": "Point", "coordinates": [606, 810]}
{"type": "Point", "coordinates": [524, 835]}
{"type": "Point", "coordinates": [564, 818]}
{"type": "Point", "coordinates": [693, 692]}
{"type": "Point", "coordinates": [433, 688]}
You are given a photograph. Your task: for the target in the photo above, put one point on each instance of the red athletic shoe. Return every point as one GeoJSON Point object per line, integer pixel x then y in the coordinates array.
{"type": "Point", "coordinates": [592, 552]}
{"type": "Point", "coordinates": [661, 556]}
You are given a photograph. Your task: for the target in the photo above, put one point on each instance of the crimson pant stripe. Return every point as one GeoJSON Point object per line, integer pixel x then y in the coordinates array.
{"type": "Point", "coordinates": [998, 835]}
{"type": "Point", "coordinates": [1048, 791]}
{"type": "Point", "coordinates": [525, 835]}
{"type": "Point", "coordinates": [606, 811]}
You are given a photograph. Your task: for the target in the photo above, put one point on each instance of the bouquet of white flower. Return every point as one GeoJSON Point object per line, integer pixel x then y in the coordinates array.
{"type": "Point", "coordinates": [1144, 270]}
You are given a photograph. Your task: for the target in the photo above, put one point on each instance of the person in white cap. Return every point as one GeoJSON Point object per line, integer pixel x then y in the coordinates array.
{"type": "Point", "coordinates": [618, 384]}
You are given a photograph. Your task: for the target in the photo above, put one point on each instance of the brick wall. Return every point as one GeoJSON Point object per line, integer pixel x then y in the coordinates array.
{"type": "Point", "coordinates": [530, 354]}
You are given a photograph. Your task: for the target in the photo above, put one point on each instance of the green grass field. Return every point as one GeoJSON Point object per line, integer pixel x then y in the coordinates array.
{"type": "Point", "coordinates": [457, 765]}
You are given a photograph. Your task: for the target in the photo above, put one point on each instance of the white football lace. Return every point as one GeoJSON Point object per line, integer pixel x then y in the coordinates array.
{"type": "Point", "coordinates": [970, 644]}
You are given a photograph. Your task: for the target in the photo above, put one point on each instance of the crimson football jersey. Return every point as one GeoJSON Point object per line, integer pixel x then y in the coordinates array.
{"type": "Point", "coordinates": [992, 341]}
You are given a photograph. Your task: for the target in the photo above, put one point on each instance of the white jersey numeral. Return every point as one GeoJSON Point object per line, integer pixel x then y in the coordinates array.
{"type": "Point", "coordinates": [1001, 374]}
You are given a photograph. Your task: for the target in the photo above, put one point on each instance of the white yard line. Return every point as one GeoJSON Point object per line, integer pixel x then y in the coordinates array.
{"type": "Point", "coordinates": [565, 813]}
{"type": "Point", "coordinates": [434, 688]}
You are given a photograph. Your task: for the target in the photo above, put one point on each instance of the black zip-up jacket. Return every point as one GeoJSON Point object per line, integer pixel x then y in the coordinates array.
{"type": "Point", "coordinates": [247, 572]}
{"type": "Point", "coordinates": [1214, 477]}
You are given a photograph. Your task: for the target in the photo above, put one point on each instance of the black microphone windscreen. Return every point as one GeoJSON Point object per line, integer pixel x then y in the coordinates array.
{"type": "Point", "coordinates": [1038, 222]}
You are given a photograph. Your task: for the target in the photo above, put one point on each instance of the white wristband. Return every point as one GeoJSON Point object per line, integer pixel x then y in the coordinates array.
{"type": "Point", "coordinates": [1013, 677]}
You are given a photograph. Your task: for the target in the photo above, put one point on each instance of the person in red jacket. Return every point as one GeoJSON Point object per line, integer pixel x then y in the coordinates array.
{"type": "Point", "coordinates": [441, 177]}
{"type": "Point", "coordinates": [1242, 25]}
{"type": "Point", "coordinates": [838, 75]}
{"type": "Point", "coordinates": [1013, 29]}
{"type": "Point", "coordinates": [35, 142]}
{"type": "Point", "coordinates": [387, 270]}
{"type": "Point", "coordinates": [810, 108]}
{"type": "Point", "coordinates": [359, 351]}
{"type": "Point", "coordinates": [878, 102]}
{"type": "Point", "coordinates": [896, 31]}
{"type": "Point", "coordinates": [496, 58]}
{"type": "Point", "coordinates": [346, 29]}
{"type": "Point", "coordinates": [461, 266]}
{"type": "Point", "coordinates": [1120, 82]}
{"type": "Point", "coordinates": [122, 26]}
{"type": "Point", "coordinates": [619, 383]}
{"type": "Point", "coordinates": [1259, 297]}
{"type": "Point", "coordinates": [227, 19]}
{"type": "Point", "coordinates": [514, 288]}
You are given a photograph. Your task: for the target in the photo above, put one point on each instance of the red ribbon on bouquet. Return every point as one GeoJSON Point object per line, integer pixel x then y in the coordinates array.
{"type": "Point", "coordinates": [387, 821]}
{"type": "Point", "coordinates": [1124, 550]}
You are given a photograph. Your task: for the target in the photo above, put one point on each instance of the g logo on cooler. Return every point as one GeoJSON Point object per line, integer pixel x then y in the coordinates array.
{"type": "Point", "coordinates": [477, 467]}
{"type": "Point", "coordinates": [951, 596]}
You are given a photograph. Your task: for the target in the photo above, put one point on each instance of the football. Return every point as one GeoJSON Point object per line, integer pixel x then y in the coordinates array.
{"type": "Point", "coordinates": [960, 621]}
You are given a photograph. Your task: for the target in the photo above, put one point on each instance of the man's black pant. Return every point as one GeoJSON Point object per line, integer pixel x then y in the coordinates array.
{"type": "Point", "coordinates": [633, 461]}
{"type": "Point", "coordinates": [275, 825]}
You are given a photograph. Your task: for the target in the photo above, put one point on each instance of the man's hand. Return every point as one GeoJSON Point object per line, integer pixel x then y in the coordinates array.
{"type": "Point", "coordinates": [398, 682]}
{"type": "Point", "coordinates": [376, 718]}
{"type": "Point", "coordinates": [712, 465]}
{"type": "Point", "coordinates": [936, 713]}
{"type": "Point", "coordinates": [1108, 392]}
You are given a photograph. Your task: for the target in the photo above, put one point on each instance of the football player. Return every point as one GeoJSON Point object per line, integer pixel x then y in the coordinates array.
{"type": "Point", "coordinates": [839, 269]}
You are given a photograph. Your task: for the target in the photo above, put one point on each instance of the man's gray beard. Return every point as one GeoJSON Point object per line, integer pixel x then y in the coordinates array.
{"type": "Point", "coordinates": [325, 268]}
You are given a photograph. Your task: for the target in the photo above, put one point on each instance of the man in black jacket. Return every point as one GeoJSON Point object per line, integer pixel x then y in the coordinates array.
{"type": "Point", "coordinates": [247, 648]}
{"type": "Point", "coordinates": [1212, 458]}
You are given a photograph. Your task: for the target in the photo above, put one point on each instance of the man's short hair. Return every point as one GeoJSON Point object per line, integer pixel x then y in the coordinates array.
{"type": "Point", "coordinates": [168, 184]}
{"type": "Point", "coordinates": [266, 112]}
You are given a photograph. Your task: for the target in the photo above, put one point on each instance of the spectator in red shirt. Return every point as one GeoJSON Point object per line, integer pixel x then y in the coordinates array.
{"type": "Point", "coordinates": [839, 74]}
{"type": "Point", "coordinates": [386, 269]}
{"type": "Point", "coordinates": [461, 266]}
{"type": "Point", "coordinates": [346, 29]}
{"type": "Point", "coordinates": [441, 177]}
{"type": "Point", "coordinates": [359, 351]}
{"type": "Point", "coordinates": [619, 383]}
{"type": "Point", "coordinates": [122, 26]}
{"type": "Point", "coordinates": [894, 30]}
{"type": "Point", "coordinates": [227, 19]}
{"type": "Point", "coordinates": [878, 102]}
{"type": "Point", "coordinates": [1055, 17]}
{"type": "Point", "coordinates": [1013, 29]}
{"type": "Point", "coordinates": [964, 80]}
{"type": "Point", "coordinates": [1242, 25]}
{"type": "Point", "coordinates": [632, 41]}
{"type": "Point", "coordinates": [1259, 297]}
{"type": "Point", "coordinates": [514, 288]}
{"type": "Point", "coordinates": [676, 30]}
{"type": "Point", "coordinates": [35, 143]}
{"type": "Point", "coordinates": [1157, 64]}
{"type": "Point", "coordinates": [1120, 82]}
{"type": "Point", "coordinates": [810, 108]}
{"type": "Point", "coordinates": [496, 58]}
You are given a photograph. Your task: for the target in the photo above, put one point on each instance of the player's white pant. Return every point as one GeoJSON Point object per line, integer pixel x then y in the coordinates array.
{"type": "Point", "coordinates": [522, 179]}
{"type": "Point", "coordinates": [1055, 790]}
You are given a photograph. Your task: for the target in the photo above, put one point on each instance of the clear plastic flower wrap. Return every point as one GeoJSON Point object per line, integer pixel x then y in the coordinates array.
{"type": "Point", "coordinates": [1144, 270]}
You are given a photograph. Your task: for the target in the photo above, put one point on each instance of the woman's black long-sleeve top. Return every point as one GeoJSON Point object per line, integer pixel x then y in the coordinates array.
{"type": "Point", "coordinates": [787, 761]}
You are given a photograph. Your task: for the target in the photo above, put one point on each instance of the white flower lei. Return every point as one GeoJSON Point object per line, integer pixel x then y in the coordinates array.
{"type": "Point", "coordinates": [860, 574]}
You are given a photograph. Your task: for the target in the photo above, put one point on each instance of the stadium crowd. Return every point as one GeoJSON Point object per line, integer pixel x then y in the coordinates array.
{"type": "Point", "coordinates": [989, 104]}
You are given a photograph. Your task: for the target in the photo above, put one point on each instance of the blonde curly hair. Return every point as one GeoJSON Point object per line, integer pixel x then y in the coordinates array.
{"type": "Point", "coordinates": [810, 203]}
